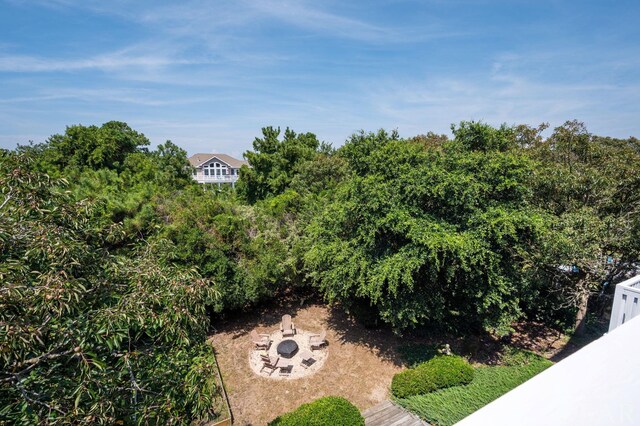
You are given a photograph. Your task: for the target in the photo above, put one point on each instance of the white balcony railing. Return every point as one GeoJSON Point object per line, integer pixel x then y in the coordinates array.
{"type": "Point", "coordinates": [625, 302]}
{"type": "Point", "coordinates": [202, 178]}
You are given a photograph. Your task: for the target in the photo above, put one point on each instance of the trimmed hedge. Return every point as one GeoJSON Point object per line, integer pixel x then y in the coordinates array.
{"type": "Point", "coordinates": [437, 373]}
{"type": "Point", "coordinates": [327, 411]}
{"type": "Point", "coordinates": [447, 407]}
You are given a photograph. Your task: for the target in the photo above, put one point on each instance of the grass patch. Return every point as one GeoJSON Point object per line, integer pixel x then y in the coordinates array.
{"type": "Point", "coordinates": [448, 406]}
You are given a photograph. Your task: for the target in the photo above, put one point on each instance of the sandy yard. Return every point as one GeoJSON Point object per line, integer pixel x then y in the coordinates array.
{"type": "Point", "coordinates": [359, 363]}
{"type": "Point", "coordinates": [359, 366]}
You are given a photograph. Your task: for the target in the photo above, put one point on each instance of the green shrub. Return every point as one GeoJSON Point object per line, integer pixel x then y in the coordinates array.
{"type": "Point", "coordinates": [330, 410]}
{"type": "Point", "coordinates": [437, 373]}
{"type": "Point", "coordinates": [448, 406]}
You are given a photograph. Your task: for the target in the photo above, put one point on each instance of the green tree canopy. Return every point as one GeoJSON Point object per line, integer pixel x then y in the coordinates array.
{"type": "Point", "coordinates": [88, 336]}
{"type": "Point", "coordinates": [589, 184]}
{"type": "Point", "coordinates": [274, 162]}
{"type": "Point", "coordinates": [477, 136]}
{"type": "Point", "coordinates": [241, 248]}
{"type": "Point", "coordinates": [428, 235]}
{"type": "Point", "coordinates": [94, 147]}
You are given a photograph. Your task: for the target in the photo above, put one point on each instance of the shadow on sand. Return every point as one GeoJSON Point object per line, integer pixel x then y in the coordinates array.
{"type": "Point", "coordinates": [380, 341]}
{"type": "Point", "coordinates": [344, 329]}
{"type": "Point", "coordinates": [340, 326]}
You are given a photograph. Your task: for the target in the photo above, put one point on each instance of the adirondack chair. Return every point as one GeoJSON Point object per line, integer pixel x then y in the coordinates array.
{"type": "Point", "coordinates": [286, 326]}
{"type": "Point", "coordinates": [262, 341]}
{"type": "Point", "coordinates": [317, 340]}
{"type": "Point", "coordinates": [270, 363]}
{"type": "Point", "coordinates": [307, 358]}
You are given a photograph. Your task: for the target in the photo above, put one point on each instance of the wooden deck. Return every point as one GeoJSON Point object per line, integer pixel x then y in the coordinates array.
{"type": "Point", "coordinates": [389, 414]}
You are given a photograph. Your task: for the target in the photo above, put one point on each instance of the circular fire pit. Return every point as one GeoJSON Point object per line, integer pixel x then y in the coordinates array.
{"type": "Point", "coordinates": [295, 359]}
{"type": "Point", "coordinates": [287, 348]}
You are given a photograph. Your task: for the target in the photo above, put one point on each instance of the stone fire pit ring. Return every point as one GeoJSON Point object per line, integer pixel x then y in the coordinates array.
{"type": "Point", "coordinates": [296, 359]}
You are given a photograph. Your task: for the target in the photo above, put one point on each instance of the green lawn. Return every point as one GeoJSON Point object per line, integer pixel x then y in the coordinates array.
{"type": "Point", "coordinates": [448, 406]}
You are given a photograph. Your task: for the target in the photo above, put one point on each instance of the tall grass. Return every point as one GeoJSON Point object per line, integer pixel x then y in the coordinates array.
{"type": "Point", "coordinates": [448, 406]}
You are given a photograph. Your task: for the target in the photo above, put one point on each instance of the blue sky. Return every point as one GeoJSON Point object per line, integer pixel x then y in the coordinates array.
{"type": "Point", "coordinates": [208, 75]}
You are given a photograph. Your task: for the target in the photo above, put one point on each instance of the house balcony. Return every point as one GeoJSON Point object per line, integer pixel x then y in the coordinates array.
{"type": "Point", "coordinates": [202, 178]}
{"type": "Point", "coordinates": [625, 302]}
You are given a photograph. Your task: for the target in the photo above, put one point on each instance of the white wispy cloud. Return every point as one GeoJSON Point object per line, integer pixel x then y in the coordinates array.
{"type": "Point", "coordinates": [209, 74]}
{"type": "Point", "coordinates": [226, 22]}
{"type": "Point", "coordinates": [224, 33]}
{"type": "Point", "coordinates": [496, 97]}
{"type": "Point", "coordinates": [133, 96]}
{"type": "Point", "coordinates": [106, 62]}
{"type": "Point", "coordinates": [309, 17]}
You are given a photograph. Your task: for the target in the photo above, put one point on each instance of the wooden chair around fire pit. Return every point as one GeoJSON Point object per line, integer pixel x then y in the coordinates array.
{"type": "Point", "coordinates": [262, 341]}
{"type": "Point", "coordinates": [286, 326]}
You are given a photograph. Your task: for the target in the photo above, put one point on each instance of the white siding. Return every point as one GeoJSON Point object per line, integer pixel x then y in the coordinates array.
{"type": "Point", "coordinates": [625, 302]}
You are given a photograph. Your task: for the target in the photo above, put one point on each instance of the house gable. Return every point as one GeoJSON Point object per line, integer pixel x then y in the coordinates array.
{"type": "Point", "coordinates": [214, 160]}
{"type": "Point", "coordinates": [200, 160]}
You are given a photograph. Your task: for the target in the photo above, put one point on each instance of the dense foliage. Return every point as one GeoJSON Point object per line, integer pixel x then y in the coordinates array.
{"type": "Point", "coordinates": [427, 235]}
{"type": "Point", "coordinates": [275, 163]}
{"type": "Point", "coordinates": [327, 411]}
{"type": "Point", "coordinates": [110, 167]}
{"type": "Point", "coordinates": [589, 185]}
{"type": "Point", "coordinates": [88, 335]}
{"type": "Point", "coordinates": [94, 147]}
{"type": "Point", "coordinates": [113, 260]}
{"type": "Point", "coordinates": [239, 247]}
{"type": "Point", "coordinates": [438, 373]}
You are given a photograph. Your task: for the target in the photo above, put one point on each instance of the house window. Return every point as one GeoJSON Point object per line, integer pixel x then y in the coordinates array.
{"type": "Point", "coordinates": [224, 172]}
{"type": "Point", "coordinates": [218, 172]}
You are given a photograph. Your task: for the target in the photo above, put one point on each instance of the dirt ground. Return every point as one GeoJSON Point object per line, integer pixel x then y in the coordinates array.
{"type": "Point", "coordinates": [359, 366]}
{"type": "Point", "coordinates": [360, 362]}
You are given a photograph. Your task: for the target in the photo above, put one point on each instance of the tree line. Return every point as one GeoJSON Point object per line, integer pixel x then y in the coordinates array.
{"type": "Point", "coordinates": [114, 262]}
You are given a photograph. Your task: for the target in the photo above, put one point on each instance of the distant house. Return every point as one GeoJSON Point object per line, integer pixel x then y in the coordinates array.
{"type": "Point", "coordinates": [216, 168]}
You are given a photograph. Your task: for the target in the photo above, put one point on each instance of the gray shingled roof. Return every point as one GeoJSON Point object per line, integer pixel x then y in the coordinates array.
{"type": "Point", "coordinates": [197, 160]}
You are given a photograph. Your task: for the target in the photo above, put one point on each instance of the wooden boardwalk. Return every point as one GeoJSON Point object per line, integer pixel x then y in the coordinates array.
{"type": "Point", "coordinates": [389, 414]}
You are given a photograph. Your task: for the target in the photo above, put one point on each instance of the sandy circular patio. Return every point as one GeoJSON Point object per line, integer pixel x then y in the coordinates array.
{"type": "Point", "coordinates": [360, 367]}
{"type": "Point", "coordinates": [297, 368]}
{"type": "Point", "coordinates": [359, 363]}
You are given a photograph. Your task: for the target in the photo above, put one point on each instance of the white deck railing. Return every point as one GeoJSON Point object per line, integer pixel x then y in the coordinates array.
{"type": "Point", "coordinates": [625, 302]}
{"type": "Point", "coordinates": [201, 178]}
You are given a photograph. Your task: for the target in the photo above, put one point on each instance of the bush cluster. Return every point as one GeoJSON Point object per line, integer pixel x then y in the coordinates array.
{"type": "Point", "coordinates": [330, 410]}
{"type": "Point", "coordinates": [437, 373]}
